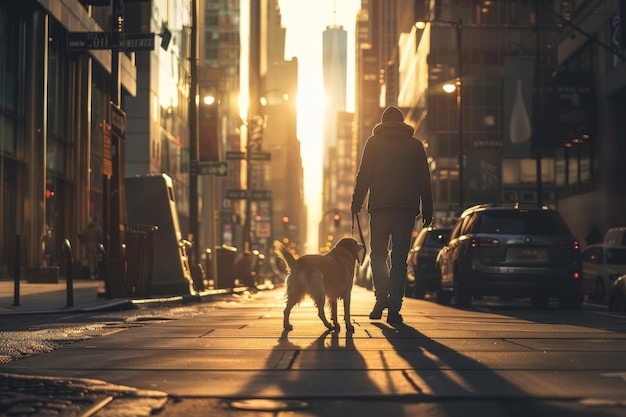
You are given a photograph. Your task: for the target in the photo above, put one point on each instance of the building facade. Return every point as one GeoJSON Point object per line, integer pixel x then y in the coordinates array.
{"type": "Point", "coordinates": [56, 157]}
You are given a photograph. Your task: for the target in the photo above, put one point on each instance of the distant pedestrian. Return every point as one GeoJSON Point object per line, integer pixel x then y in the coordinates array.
{"type": "Point", "coordinates": [395, 171]}
{"type": "Point", "coordinates": [92, 238]}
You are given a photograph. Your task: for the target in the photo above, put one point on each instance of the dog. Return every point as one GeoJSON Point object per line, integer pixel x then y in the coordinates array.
{"type": "Point", "coordinates": [321, 277]}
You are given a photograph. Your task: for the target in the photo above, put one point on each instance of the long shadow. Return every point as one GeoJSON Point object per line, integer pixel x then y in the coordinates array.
{"type": "Point", "coordinates": [314, 369]}
{"type": "Point", "coordinates": [454, 380]}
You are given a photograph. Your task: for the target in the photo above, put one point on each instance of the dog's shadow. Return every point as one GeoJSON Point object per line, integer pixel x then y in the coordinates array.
{"type": "Point", "coordinates": [319, 366]}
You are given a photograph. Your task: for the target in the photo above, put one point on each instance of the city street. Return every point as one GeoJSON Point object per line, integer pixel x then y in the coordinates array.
{"type": "Point", "coordinates": [228, 355]}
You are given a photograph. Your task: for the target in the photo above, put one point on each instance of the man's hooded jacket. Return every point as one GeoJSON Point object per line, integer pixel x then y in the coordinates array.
{"type": "Point", "coordinates": [393, 168]}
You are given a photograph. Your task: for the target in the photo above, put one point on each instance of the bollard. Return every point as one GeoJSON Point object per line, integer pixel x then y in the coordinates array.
{"type": "Point", "coordinates": [69, 266]}
{"type": "Point", "coordinates": [104, 271]}
{"type": "Point", "coordinates": [18, 267]}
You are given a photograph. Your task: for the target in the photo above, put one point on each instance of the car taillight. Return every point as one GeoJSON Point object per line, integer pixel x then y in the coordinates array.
{"type": "Point", "coordinates": [484, 242]}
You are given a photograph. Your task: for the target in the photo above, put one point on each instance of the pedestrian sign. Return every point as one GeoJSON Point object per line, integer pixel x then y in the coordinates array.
{"type": "Point", "coordinates": [219, 169]}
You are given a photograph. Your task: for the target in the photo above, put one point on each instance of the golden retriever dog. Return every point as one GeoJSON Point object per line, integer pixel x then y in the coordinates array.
{"type": "Point", "coordinates": [321, 277]}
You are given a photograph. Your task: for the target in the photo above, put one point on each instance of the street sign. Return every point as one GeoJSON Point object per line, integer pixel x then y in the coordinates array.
{"type": "Point", "coordinates": [212, 168]}
{"type": "Point", "coordinates": [81, 41]}
{"type": "Point", "coordinates": [260, 194]}
{"type": "Point", "coordinates": [260, 156]}
{"type": "Point", "coordinates": [133, 42]}
{"type": "Point", "coordinates": [236, 194]}
{"type": "Point", "coordinates": [128, 42]}
{"type": "Point", "coordinates": [235, 155]}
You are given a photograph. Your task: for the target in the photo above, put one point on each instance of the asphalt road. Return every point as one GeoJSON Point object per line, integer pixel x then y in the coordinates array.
{"type": "Point", "coordinates": [230, 357]}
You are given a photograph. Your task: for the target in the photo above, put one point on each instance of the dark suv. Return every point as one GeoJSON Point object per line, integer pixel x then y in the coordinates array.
{"type": "Point", "coordinates": [421, 273]}
{"type": "Point", "coordinates": [511, 252]}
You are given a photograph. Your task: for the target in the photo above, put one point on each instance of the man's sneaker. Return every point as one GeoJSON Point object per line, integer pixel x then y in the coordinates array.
{"type": "Point", "coordinates": [377, 312]}
{"type": "Point", "coordinates": [394, 317]}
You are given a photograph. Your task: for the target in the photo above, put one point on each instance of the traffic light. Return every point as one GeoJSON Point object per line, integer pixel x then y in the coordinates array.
{"type": "Point", "coordinates": [285, 220]}
{"type": "Point", "coordinates": [337, 220]}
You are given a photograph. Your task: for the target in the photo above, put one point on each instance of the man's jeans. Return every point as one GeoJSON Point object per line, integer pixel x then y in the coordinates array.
{"type": "Point", "coordinates": [393, 225]}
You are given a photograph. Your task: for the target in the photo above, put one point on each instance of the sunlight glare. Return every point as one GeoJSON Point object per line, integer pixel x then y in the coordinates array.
{"type": "Point", "coordinates": [311, 101]}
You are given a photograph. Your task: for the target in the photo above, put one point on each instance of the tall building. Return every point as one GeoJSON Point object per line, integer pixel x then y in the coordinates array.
{"type": "Point", "coordinates": [535, 121]}
{"type": "Point", "coordinates": [62, 143]}
{"type": "Point", "coordinates": [219, 122]}
{"type": "Point", "coordinates": [589, 138]}
{"type": "Point", "coordinates": [334, 74]}
{"type": "Point", "coordinates": [276, 177]}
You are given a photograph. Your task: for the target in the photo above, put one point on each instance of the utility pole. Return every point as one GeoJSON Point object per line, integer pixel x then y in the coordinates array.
{"type": "Point", "coordinates": [115, 202]}
{"type": "Point", "coordinates": [193, 139]}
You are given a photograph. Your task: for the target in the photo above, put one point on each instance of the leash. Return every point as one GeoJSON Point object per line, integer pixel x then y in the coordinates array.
{"type": "Point", "coordinates": [358, 223]}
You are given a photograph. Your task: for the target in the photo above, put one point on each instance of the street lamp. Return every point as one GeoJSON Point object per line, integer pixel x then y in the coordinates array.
{"type": "Point", "coordinates": [458, 27]}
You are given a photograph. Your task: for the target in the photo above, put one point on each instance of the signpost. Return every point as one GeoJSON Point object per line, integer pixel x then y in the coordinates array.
{"type": "Point", "coordinates": [260, 156]}
{"type": "Point", "coordinates": [134, 42]}
{"type": "Point", "coordinates": [219, 169]}
{"type": "Point", "coordinates": [235, 155]}
{"type": "Point", "coordinates": [81, 41]}
{"type": "Point", "coordinates": [260, 194]}
{"type": "Point", "coordinates": [236, 194]}
{"type": "Point", "coordinates": [128, 42]}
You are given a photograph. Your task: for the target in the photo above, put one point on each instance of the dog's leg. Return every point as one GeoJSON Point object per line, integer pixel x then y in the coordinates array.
{"type": "Point", "coordinates": [333, 314]}
{"type": "Point", "coordinates": [346, 313]}
{"type": "Point", "coordinates": [286, 325]}
{"type": "Point", "coordinates": [319, 303]}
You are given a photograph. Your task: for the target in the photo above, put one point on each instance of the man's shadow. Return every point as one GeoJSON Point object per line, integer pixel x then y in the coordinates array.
{"type": "Point", "coordinates": [449, 378]}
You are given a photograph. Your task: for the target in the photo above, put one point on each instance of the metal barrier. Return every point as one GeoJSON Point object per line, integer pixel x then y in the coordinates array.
{"type": "Point", "coordinates": [18, 268]}
{"type": "Point", "coordinates": [67, 248]}
{"type": "Point", "coordinates": [104, 270]}
{"type": "Point", "coordinates": [140, 241]}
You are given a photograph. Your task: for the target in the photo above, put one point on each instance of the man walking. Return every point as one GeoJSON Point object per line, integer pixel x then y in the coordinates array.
{"type": "Point", "coordinates": [395, 171]}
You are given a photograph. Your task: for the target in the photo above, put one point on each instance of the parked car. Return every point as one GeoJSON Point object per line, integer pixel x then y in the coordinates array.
{"type": "Point", "coordinates": [511, 252]}
{"type": "Point", "coordinates": [617, 295]}
{"type": "Point", "coordinates": [422, 273]}
{"type": "Point", "coordinates": [602, 265]}
{"type": "Point", "coordinates": [615, 236]}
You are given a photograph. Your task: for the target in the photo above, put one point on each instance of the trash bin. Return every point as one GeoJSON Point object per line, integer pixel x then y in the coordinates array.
{"type": "Point", "coordinates": [225, 266]}
{"type": "Point", "coordinates": [140, 242]}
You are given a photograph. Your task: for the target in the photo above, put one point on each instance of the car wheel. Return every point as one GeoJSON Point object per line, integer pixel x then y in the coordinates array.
{"type": "Point", "coordinates": [572, 300]}
{"type": "Point", "coordinates": [617, 303]}
{"type": "Point", "coordinates": [462, 295]}
{"type": "Point", "coordinates": [540, 300]}
{"type": "Point", "coordinates": [600, 291]}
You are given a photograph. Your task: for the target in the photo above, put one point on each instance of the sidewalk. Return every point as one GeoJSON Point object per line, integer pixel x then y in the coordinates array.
{"type": "Point", "coordinates": [46, 298]}
{"type": "Point", "coordinates": [234, 359]}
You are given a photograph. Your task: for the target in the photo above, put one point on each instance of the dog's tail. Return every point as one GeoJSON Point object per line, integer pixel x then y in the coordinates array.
{"type": "Point", "coordinates": [286, 256]}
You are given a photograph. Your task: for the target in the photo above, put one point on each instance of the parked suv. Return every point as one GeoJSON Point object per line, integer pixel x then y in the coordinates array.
{"type": "Point", "coordinates": [422, 274]}
{"type": "Point", "coordinates": [511, 252]}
